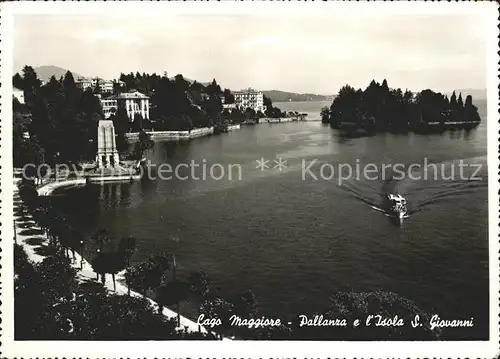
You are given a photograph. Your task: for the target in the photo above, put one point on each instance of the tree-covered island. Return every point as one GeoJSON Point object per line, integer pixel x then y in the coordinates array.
{"type": "Point", "coordinates": [379, 108]}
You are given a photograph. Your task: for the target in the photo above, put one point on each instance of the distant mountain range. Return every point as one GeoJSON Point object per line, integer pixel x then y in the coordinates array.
{"type": "Point", "coordinates": [46, 72]}
{"type": "Point", "coordinates": [283, 96]}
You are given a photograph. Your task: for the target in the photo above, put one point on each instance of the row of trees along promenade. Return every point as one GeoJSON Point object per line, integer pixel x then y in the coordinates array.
{"type": "Point", "coordinates": [379, 109]}
{"type": "Point", "coordinates": [62, 119]}
{"type": "Point", "coordinates": [52, 303]}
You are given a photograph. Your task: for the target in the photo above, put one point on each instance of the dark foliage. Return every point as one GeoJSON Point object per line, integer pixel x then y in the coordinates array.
{"type": "Point", "coordinates": [379, 108]}
{"type": "Point", "coordinates": [50, 305]}
{"type": "Point", "coordinates": [61, 120]}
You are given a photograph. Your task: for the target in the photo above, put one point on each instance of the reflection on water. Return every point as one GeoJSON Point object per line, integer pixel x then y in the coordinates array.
{"type": "Point", "coordinates": [294, 241]}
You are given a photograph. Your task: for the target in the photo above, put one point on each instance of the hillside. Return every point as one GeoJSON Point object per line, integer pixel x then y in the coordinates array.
{"type": "Point", "coordinates": [283, 96]}
{"type": "Point", "coordinates": [46, 72]}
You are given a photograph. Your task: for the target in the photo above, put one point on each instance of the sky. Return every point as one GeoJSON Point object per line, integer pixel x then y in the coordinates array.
{"type": "Point", "coordinates": [315, 54]}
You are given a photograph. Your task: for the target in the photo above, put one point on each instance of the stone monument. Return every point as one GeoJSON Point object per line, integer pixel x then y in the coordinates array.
{"type": "Point", "coordinates": [107, 154]}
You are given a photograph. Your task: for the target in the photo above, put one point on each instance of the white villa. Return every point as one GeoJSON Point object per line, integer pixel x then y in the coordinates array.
{"type": "Point", "coordinates": [134, 103]}
{"type": "Point", "coordinates": [250, 98]}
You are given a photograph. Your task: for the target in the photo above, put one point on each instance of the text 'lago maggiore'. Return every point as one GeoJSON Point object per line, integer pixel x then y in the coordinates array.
{"type": "Point", "coordinates": [320, 321]}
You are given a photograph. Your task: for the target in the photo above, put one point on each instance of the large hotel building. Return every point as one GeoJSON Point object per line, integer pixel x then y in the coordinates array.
{"type": "Point", "coordinates": [249, 98]}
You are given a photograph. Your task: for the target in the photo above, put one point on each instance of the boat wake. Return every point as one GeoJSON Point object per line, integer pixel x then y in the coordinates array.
{"type": "Point", "coordinates": [420, 194]}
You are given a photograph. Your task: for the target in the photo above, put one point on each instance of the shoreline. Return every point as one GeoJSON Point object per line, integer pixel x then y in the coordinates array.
{"type": "Point", "coordinates": [86, 273]}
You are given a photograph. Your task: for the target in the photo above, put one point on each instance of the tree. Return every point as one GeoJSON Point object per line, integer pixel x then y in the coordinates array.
{"type": "Point", "coordinates": [97, 88]}
{"type": "Point", "coordinates": [250, 113]}
{"type": "Point", "coordinates": [172, 293]}
{"type": "Point", "coordinates": [453, 99]}
{"type": "Point", "coordinates": [75, 243]}
{"type": "Point", "coordinates": [460, 102]}
{"type": "Point", "coordinates": [200, 284]}
{"type": "Point", "coordinates": [42, 126]}
{"type": "Point", "coordinates": [71, 92]}
{"type": "Point", "coordinates": [39, 295]}
{"type": "Point", "coordinates": [50, 304]}
{"type": "Point", "coordinates": [122, 126]}
{"type": "Point", "coordinates": [90, 104]}
{"type": "Point", "coordinates": [325, 115]}
{"type": "Point", "coordinates": [213, 106]}
{"type": "Point", "coordinates": [127, 245]}
{"type": "Point", "coordinates": [269, 106]}
{"type": "Point", "coordinates": [57, 277]}
{"type": "Point", "coordinates": [228, 97]}
{"type": "Point", "coordinates": [101, 238]}
{"type": "Point", "coordinates": [148, 274]}
{"type": "Point", "coordinates": [137, 125]}
{"type": "Point", "coordinates": [22, 265]}
{"type": "Point", "coordinates": [17, 81]}
{"type": "Point", "coordinates": [29, 195]}
{"type": "Point", "coordinates": [143, 144]}
{"type": "Point", "coordinates": [379, 108]}
{"type": "Point", "coordinates": [109, 262]}
{"type": "Point", "coordinates": [30, 82]}
{"type": "Point", "coordinates": [468, 101]}
{"type": "Point", "coordinates": [181, 83]}
{"type": "Point", "coordinates": [218, 308]}
{"type": "Point", "coordinates": [244, 305]}
{"type": "Point", "coordinates": [214, 89]}
{"type": "Point", "coordinates": [353, 305]}
{"type": "Point", "coordinates": [385, 86]}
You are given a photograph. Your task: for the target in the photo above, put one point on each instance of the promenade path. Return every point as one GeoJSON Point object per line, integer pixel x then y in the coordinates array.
{"type": "Point", "coordinates": [48, 188]}
{"type": "Point", "coordinates": [31, 237]}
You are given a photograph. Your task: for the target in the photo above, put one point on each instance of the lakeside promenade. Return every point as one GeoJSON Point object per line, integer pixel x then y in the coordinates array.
{"type": "Point", "coordinates": [85, 273]}
{"type": "Point", "coordinates": [176, 136]}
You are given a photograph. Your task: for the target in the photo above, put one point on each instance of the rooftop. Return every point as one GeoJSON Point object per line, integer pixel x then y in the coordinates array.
{"type": "Point", "coordinates": [133, 94]}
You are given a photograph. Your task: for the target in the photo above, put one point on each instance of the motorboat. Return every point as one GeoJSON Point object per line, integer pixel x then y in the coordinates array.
{"type": "Point", "coordinates": [397, 205]}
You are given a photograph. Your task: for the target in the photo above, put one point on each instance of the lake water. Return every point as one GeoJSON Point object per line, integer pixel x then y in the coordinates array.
{"type": "Point", "coordinates": [312, 108]}
{"type": "Point", "coordinates": [295, 241]}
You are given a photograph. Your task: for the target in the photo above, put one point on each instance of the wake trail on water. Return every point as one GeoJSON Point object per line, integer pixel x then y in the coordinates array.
{"type": "Point", "coordinates": [421, 194]}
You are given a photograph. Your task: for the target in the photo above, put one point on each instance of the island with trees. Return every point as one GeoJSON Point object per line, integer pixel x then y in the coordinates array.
{"type": "Point", "coordinates": [379, 108]}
